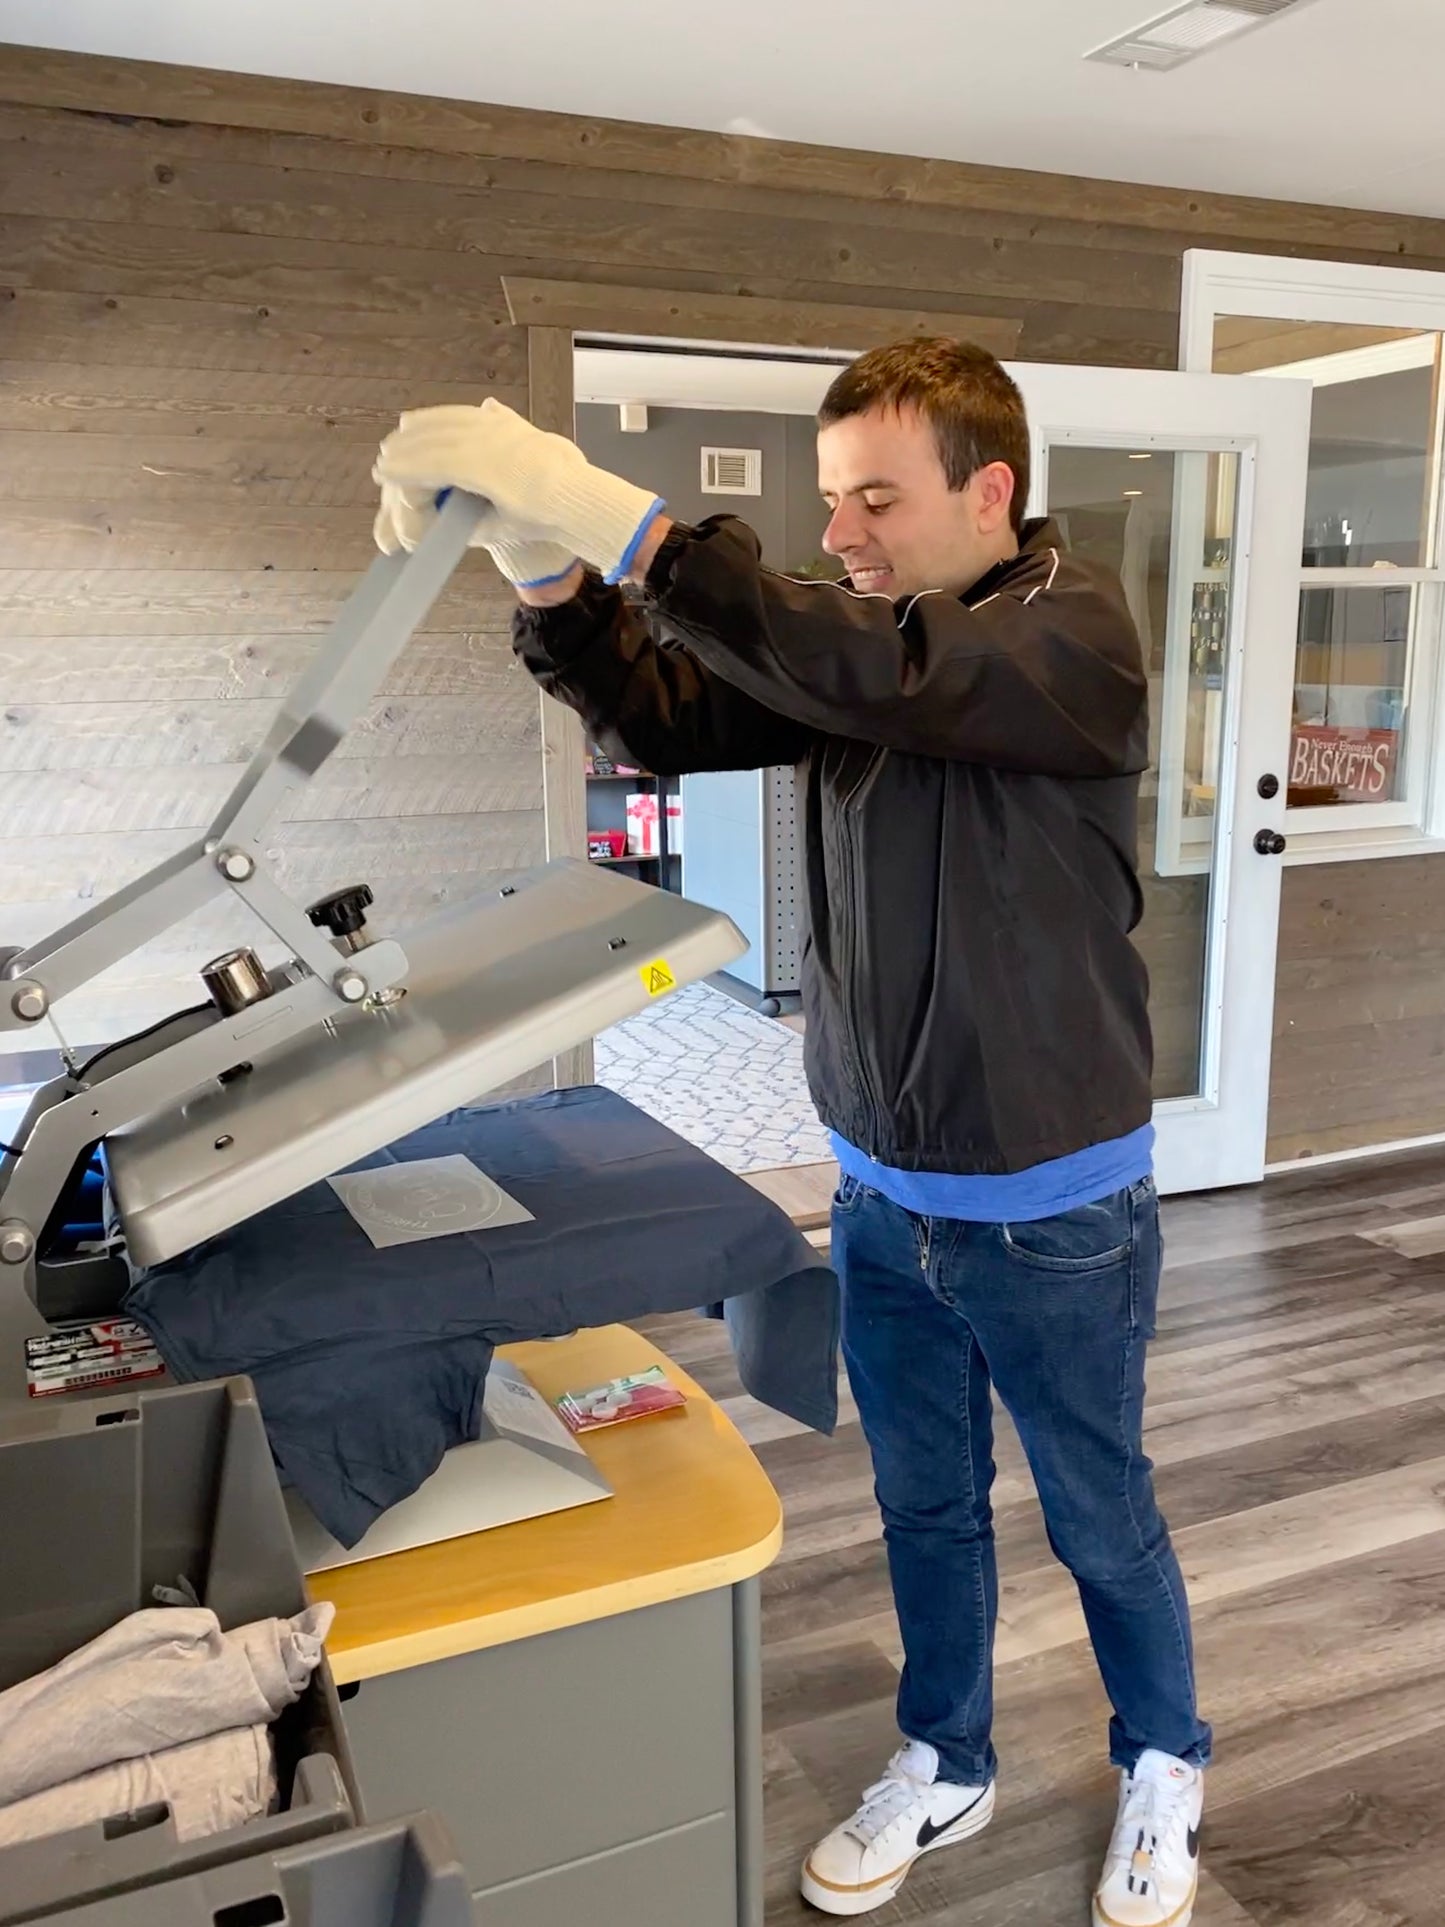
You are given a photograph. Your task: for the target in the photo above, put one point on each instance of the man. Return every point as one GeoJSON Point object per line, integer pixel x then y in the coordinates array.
{"type": "Point", "coordinates": [971, 709]}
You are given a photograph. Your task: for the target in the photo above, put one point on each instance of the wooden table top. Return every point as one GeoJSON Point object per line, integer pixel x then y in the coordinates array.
{"type": "Point", "coordinates": [693, 1510]}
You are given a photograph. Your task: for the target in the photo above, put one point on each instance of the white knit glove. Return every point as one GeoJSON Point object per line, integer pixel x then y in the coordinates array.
{"type": "Point", "coordinates": [528, 558]}
{"type": "Point", "coordinates": [535, 481]}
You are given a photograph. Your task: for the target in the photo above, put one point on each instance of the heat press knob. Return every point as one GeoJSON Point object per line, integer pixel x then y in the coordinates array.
{"type": "Point", "coordinates": [343, 913]}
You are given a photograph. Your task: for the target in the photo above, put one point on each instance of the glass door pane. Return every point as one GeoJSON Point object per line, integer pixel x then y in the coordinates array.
{"type": "Point", "coordinates": [1353, 677]}
{"type": "Point", "coordinates": [1164, 522]}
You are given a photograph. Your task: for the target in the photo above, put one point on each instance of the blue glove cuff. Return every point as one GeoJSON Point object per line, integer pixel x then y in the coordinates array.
{"type": "Point", "coordinates": [546, 581]}
{"type": "Point", "coordinates": [629, 554]}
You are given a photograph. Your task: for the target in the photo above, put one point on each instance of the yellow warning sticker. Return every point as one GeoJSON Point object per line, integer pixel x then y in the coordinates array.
{"type": "Point", "coordinates": [657, 978]}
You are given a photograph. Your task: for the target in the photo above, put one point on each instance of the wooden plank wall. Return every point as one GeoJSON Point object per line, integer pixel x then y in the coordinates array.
{"type": "Point", "coordinates": [217, 291]}
{"type": "Point", "coordinates": [1359, 1045]}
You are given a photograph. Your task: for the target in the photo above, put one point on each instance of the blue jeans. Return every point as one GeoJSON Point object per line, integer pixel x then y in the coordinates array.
{"type": "Point", "coordinates": [1055, 1316]}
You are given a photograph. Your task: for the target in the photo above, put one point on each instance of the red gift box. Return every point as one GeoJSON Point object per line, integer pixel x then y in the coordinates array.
{"type": "Point", "coordinates": [641, 824]}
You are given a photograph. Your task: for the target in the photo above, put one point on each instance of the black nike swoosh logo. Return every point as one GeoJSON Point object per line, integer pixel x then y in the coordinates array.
{"type": "Point", "coordinates": [931, 1829]}
{"type": "Point", "coordinates": [1194, 1843]}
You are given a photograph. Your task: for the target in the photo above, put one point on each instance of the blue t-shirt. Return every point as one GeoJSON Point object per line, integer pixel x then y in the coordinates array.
{"type": "Point", "coordinates": [1018, 1197]}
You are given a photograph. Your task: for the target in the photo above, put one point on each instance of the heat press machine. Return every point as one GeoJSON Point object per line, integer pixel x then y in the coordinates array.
{"type": "Point", "coordinates": [286, 1074]}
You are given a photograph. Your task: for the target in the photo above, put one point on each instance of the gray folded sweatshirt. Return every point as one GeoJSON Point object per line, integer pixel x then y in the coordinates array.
{"type": "Point", "coordinates": [210, 1786]}
{"type": "Point", "coordinates": [156, 1680]}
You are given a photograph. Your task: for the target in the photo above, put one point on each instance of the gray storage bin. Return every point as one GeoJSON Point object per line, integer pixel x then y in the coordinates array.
{"type": "Point", "coordinates": [116, 1497]}
{"type": "Point", "coordinates": [403, 1874]}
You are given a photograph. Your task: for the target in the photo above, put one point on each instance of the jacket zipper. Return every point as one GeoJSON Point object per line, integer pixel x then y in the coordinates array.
{"type": "Point", "coordinates": [850, 869]}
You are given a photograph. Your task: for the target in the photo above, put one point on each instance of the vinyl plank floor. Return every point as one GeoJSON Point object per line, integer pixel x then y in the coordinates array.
{"type": "Point", "coordinates": [1352, 1846]}
{"type": "Point", "coordinates": [1419, 1238]}
{"type": "Point", "coordinates": [1236, 1554]}
{"type": "Point", "coordinates": [1297, 1420]}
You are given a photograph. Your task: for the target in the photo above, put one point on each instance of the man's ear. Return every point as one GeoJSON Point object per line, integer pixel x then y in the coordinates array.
{"type": "Point", "coordinates": [994, 488]}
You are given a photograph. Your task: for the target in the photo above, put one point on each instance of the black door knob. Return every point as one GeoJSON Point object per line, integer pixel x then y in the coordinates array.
{"type": "Point", "coordinates": [1268, 787]}
{"type": "Point", "coordinates": [1269, 843]}
{"type": "Point", "coordinates": [343, 913]}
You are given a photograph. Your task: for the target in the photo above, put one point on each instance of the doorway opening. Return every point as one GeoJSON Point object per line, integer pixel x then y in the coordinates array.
{"type": "Point", "coordinates": [721, 1062]}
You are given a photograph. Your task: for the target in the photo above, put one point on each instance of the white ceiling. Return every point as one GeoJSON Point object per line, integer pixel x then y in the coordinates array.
{"type": "Point", "coordinates": [1336, 102]}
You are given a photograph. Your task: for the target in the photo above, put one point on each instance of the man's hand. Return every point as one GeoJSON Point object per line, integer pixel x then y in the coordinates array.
{"type": "Point", "coordinates": [541, 483]}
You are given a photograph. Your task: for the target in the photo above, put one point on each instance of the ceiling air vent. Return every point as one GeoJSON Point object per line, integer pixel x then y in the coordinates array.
{"type": "Point", "coordinates": [732, 471]}
{"type": "Point", "coordinates": [1186, 32]}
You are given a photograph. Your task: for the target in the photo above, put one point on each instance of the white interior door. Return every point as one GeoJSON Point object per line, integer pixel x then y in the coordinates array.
{"type": "Point", "coordinates": [1192, 487]}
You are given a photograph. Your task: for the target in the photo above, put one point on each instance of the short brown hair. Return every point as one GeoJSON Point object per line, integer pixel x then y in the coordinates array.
{"type": "Point", "coordinates": [973, 407]}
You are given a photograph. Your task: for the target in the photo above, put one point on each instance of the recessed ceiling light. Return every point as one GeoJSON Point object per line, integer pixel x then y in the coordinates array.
{"type": "Point", "coordinates": [1129, 493]}
{"type": "Point", "coordinates": [1141, 458]}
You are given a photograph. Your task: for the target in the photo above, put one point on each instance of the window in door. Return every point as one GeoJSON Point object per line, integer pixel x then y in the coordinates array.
{"type": "Point", "coordinates": [1366, 771]}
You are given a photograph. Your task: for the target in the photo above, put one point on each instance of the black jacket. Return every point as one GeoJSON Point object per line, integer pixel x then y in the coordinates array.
{"type": "Point", "coordinates": [973, 1000]}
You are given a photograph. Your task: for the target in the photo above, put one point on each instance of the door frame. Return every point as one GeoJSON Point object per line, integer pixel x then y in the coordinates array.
{"type": "Point", "coordinates": [1218, 1137]}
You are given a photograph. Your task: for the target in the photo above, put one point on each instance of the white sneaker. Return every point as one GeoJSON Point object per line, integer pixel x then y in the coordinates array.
{"type": "Point", "coordinates": [909, 1812]}
{"type": "Point", "coordinates": [1151, 1876]}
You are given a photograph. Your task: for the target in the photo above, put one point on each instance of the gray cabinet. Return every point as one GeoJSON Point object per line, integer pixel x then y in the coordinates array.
{"type": "Point", "coordinates": [593, 1773]}
{"type": "Point", "coordinates": [741, 856]}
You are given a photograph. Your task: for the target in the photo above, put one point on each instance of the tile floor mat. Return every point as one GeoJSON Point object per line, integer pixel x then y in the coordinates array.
{"type": "Point", "coordinates": [727, 1080]}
